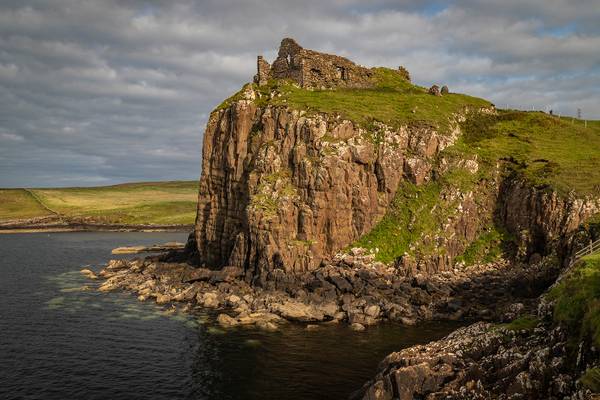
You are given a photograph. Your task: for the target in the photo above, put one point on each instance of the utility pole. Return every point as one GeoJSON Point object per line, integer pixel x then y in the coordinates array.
{"type": "Point", "coordinates": [579, 113]}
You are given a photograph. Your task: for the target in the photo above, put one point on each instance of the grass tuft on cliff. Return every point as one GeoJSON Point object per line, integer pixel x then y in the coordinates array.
{"type": "Point", "coordinates": [154, 203]}
{"type": "Point", "coordinates": [412, 212]}
{"type": "Point", "coordinates": [577, 299]}
{"type": "Point", "coordinates": [523, 323]}
{"type": "Point", "coordinates": [486, 248]}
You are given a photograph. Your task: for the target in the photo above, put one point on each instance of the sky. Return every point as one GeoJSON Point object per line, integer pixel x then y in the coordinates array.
{"type": "Point", "coordinates": [103, 92]}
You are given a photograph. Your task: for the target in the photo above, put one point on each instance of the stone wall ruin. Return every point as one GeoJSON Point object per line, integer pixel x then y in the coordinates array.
{"type": "Point", "coordinates": [311, 69]}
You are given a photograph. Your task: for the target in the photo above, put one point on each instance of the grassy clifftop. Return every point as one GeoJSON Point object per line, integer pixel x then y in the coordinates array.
{"type": "Point", "coordinates": [154, 203]}
{"type": "Point", "coordinates": [393, 100]}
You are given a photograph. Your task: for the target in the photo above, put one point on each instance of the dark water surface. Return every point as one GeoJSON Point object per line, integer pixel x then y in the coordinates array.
{"type": "Point", "coordinates": [58, 341]}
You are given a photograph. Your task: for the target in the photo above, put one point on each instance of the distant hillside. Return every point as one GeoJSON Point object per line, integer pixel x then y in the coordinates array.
{"type": "Point", "coordinates": [145, 203]}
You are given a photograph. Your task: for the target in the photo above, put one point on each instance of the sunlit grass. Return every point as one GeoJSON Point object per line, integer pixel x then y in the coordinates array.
{"type": "Point", "coordinates": [162, 203]}
{"type": "Point", "coordinates": [577, 300]}
{"type": "Point", "coordinates": [546, 150]}
{"type": "Point", "coordinates": [392, 100]}
{"type": "Point", "coordinates": [18, 203]}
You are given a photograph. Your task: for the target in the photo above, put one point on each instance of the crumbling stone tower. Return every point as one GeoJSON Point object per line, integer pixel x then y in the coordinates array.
{"type": "Point", "coordinates": [311, 69]}
{"type": "Point", "coordinates": [263, 68]}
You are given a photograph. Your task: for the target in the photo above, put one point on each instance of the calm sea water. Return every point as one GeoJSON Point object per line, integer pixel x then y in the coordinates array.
{"type": "Point", "coordinates": [58, 341]}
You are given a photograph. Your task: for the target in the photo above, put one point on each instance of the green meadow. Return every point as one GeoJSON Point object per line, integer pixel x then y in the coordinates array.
{"type": "Point", "coordinates": [153, 203]}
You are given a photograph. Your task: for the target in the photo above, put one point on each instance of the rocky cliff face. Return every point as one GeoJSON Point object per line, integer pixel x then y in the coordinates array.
{"type": "Point", "coordinates": [538, 221]}
{"type": "Point", "coordinates": [541, 220]}
{"type": "Point", "coordinates": [284, 190]}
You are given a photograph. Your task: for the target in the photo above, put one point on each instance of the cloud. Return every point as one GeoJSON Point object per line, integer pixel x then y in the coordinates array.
{"type": "Point", "coordinates": [109, 91]}
{"type": "Point", "coordinates": [11, 137]}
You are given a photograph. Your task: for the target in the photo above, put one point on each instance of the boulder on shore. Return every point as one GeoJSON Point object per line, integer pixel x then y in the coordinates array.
{"type": "Point", "coordinates": [226, 321]}
{"type": "Point", "coordinates": [357, 327]}
{"type": "Point", "coordinates": [295, 311]}
{"type": "Point", "coordinates": [89, 273]}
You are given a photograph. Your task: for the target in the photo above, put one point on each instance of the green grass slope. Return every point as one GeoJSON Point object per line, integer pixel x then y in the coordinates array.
{"type": "Point", "coordinates": [577, 299]}
{"type": "Point", "coordinates": [155, 203]}
{"type": "Point", "coordinates": [19, 203]}
{"type": "Point", "coordinates": [412, 213]}
{"type": "Point", "coordinates": [559, 153]}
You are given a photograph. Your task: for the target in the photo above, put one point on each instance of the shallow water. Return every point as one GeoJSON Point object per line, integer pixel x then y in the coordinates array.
{"type": "Point", "coordinates": [60, 339]}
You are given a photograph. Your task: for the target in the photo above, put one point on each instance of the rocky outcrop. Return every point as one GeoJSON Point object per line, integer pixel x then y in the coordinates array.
{"type": "Point", "coordinates": [542, 220]}
{"type": "Point", "coordinates": [532, 357]}
{"type": "Point", "coordinates": [482, 361]}
{"type": "Point", "coordinates": [284, 190]}
{"type": "Point", "coordinates": [435, 90]}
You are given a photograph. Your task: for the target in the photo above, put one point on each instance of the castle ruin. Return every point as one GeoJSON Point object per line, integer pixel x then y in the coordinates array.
{"type": "Point", "coordinates": [311, 69]}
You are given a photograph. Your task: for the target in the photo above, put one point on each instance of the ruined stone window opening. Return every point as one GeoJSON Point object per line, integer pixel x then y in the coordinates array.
{"type": "Point", "coordinates": [289, 59]}
{"type": "Point", "coordinates": [341, 73]}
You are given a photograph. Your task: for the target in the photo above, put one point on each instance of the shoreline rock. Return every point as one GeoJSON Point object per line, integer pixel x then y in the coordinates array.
{"type": "Point", "coordinates": [88, 273]}
{"type": "Point", "coordinates": [355, 290]}
{"type": "Point", "coordinates": [481, 361]}
{"type": "Point", "coordinates": [170, 246]}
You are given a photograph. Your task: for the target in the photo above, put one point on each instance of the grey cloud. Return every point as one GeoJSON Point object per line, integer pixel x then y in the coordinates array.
{"type": "Point", "coordinates": [98, 92]}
